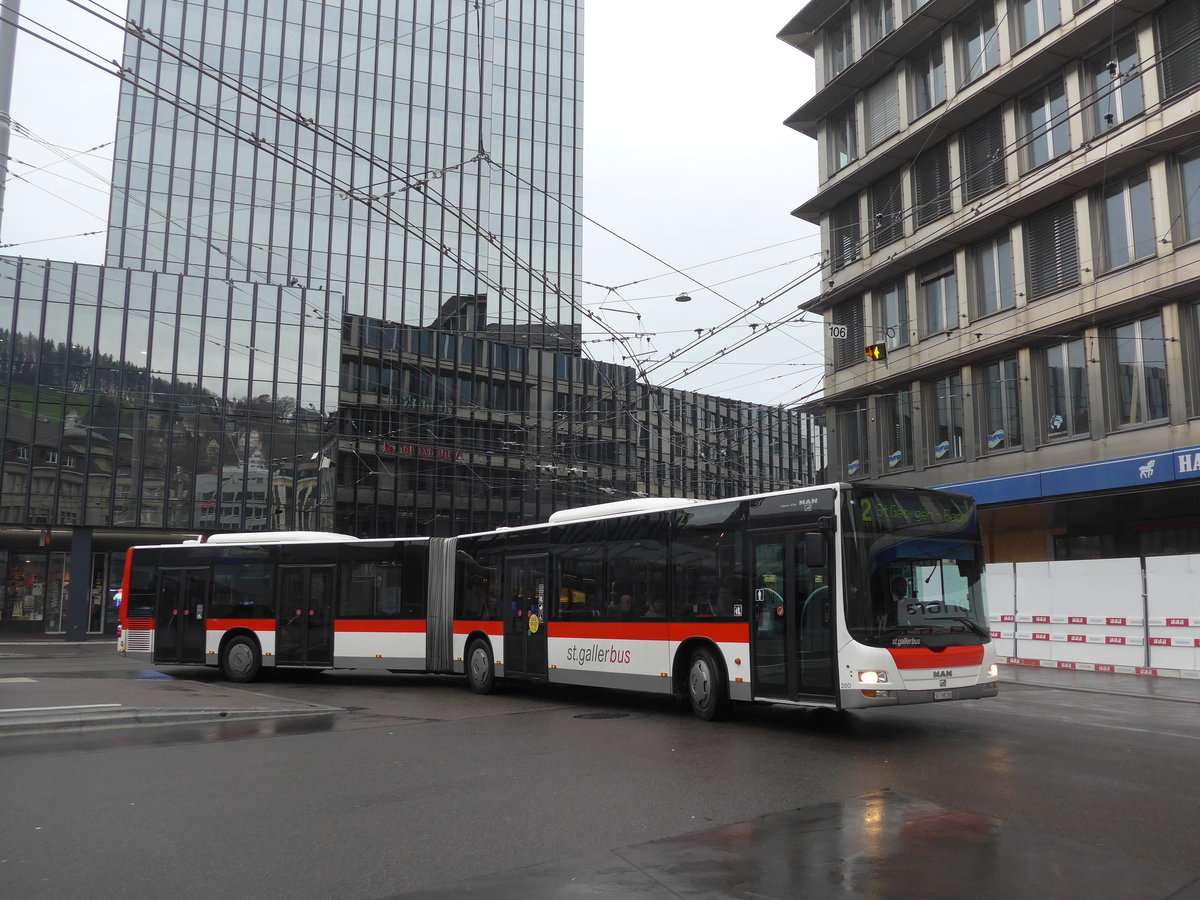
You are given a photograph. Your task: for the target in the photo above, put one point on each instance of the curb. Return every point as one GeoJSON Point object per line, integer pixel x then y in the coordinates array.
{"type": "Point", "coordinates": [122, 718]}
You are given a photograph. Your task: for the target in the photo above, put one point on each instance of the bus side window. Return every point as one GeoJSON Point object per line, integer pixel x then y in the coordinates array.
{"type": "Point", "coordinates": [142, 586]}
{"type": "Point", "coordinates": [357, 601]}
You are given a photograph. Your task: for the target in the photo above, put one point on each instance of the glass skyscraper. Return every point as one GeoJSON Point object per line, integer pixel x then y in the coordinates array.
{"type": "Point", "coordinates": [399, 152]}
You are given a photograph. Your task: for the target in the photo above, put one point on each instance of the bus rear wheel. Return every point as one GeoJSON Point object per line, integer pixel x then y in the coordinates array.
{"type": "Point", "coordinates": [240, 660]}
{"type": "Point", "coordinates": [481, 671]}
{"type": "Point", "coordinates": [707, 691]}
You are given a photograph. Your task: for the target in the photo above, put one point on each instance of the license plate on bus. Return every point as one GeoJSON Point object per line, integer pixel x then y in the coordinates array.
{"type": "Point", "coordinates": [943, 695]}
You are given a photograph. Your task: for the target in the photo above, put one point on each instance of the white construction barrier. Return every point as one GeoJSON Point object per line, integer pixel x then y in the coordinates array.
{"type": "Point", "coordinates": [1087, 611]}
{"type": "Point", "coordinates": [1002, 607]}
{"type": "Point", "coordinates": [1173, 611]}
{"type": "Point", "coordinates": [1129, 615]}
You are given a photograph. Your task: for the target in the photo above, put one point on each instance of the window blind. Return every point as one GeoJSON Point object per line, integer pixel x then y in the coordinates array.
{"type": "Point", "coordinates": [1050, 250]}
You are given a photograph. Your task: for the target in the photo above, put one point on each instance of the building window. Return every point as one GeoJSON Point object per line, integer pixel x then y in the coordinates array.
{"type": "Point", "coordinates": [878, 21]}
{"type": "Point", "coordinates": [978, 45]}
{"type": "Point", "coordinates": [1179, 46]}
{"type": "Point", "coordinates": [1063, 398]}
{"type": "Point", "coordinates": [849, 350]}
{"type": "Point", "coordinates": [1051, 256]}
{"type": "Point", "coordinates": [1125, 222]}
{"type": "Point", "coordinates": [992, 287]}
{"type": "Point", "coordinates": [931, 185]}
{"type": "Point", "coordinates": [1191, 356]}
{"type": "Point", "coordinates": [1032, 18]}
{"type": "Point", "coordinates": [845, 241]}
{"type": "Point", "coordinates": [894, 415]}
{"type": "Point", "coordinates": [852, 440]}
{"type": "Point", "coordinates": [1188, 170]}
{"type": "Point", "coordinates": [927, 79]}
{"type": "Point", "coordinates": [1001, 401]}
{"type": "Point", "coordinates": [842, 138]}
{"type": "Point", "coordinates": [1137, 382]}
{"type": "Point", "coordinates": [944, 412]}
{"type": "Point", "coordinates": [887, 210]}
{"type": "Point", "coordinates": [1114, 78]}
{"type": "Point", "coordinates": [938, 297]}
{"type": "Point", "coordinates": [882, 110]}
{"type": "Point", "coordinates": [983, 156]}
{"type": "Point", "coordinates": [839, 45]}
{"type": "Point", "coordinates": [891, 316]}
{"type": "Point", "coordinates": [1042, 119]}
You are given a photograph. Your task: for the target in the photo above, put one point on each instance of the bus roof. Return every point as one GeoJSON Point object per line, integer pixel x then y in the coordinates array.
{"type": "Point", "coordinates": [279, 537]}
{"type": "Point", "coordinates": [619, 508]}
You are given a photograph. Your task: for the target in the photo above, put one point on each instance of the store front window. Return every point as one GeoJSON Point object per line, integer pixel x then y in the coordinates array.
{"type": "Point", "coordinates": [35, 591]}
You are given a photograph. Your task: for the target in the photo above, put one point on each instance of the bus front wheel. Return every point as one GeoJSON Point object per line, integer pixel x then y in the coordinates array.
{"type": "Point", "coordinates": [707, 691]}
{"type": "Point", "coordinates": [240, 660]}
{"type": "Point", "coordinates": [481, 671]}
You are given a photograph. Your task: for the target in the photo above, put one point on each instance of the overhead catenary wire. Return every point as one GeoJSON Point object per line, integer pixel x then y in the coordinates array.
{"type": "Point", "coordinates": [616, 336]}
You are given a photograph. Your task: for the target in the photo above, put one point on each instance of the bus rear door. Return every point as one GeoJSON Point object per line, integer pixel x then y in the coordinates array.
{"type": "Point", "coordinates": [179, 615]}
{"type": "Point", "coordinates": [305, 635]}
{"type": "Point", "coordinates": [526, 652]}
{"type": "Point", "coordinates": [792, 641]}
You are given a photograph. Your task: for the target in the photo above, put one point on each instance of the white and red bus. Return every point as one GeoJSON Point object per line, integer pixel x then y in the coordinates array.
{"type": "Point", "coordinates": [839, 596]}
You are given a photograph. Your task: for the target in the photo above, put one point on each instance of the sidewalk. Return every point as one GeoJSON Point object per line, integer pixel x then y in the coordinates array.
{"type": "Point", "coordinates": [1184, 690]}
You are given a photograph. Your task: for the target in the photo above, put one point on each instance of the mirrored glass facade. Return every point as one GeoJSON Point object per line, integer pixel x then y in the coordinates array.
{"type": "Point", "coordinates": [400, 153]}
{"type": "Point", "coordinates": [151, 401]}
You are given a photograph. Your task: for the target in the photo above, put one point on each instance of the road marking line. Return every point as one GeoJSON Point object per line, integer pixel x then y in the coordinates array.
{"type": "Point", "coordinates": [59, 708]}
{"type": "Point", "coordinates": [18, 680]}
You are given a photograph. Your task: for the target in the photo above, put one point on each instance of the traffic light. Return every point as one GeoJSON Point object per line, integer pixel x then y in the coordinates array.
{"type": "Point", "coordinates": [877, 352]}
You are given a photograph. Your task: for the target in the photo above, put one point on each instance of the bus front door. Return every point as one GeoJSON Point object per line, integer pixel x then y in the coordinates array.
{"type": "Point", "coordinates": [792, 641]}
{"type": "Point", "coordinates": [179, 615]}
{"type": "Point", "coordinates": [305, 628]}
{"type": "Point", "coordinates": [526, 651]}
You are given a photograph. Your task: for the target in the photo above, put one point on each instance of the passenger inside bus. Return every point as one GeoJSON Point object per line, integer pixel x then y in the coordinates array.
{"type": "Point", "coordinates": [624, 608]}
{"type": "Point", "coordinates": [728, 602]}
{"type": "Point", "coordinates": [656, 609]}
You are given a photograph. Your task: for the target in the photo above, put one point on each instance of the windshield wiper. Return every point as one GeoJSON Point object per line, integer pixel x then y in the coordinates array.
{"type": "Point", "coordinates": [970, 623]}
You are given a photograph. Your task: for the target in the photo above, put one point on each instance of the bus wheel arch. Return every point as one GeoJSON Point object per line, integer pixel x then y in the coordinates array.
{"type": "Point", "coordinates": [241, 657]}
{"type": "Point", "coordinates": [479, 664]}
{"type": "Point", "coordinates": [704, 683]}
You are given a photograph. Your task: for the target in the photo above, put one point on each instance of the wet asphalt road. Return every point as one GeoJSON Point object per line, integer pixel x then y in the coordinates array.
{"type": "Point", "coordinates": [415, 787]}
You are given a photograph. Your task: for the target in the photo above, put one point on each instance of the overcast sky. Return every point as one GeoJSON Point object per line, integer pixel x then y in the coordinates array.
{"type": "Point", "coordinates": [685, 159]}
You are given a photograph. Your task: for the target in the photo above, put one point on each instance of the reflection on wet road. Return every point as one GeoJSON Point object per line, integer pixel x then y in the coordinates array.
{"type": "Point", "coordinates": [884, 845]}
{"type": "Point", "coordinates": [128, 736]}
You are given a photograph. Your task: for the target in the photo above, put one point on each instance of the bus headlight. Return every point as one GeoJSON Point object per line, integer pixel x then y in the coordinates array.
{"type": "Point", "coordinates": [994, 670]}
{"type": "Point", "coordinates": [873, 677]}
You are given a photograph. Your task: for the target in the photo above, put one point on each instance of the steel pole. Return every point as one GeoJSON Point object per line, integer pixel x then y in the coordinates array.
{"type": "Point", "coordinates": [10, 14]}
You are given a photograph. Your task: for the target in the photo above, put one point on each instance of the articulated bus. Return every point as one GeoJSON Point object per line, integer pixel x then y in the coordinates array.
{"type": "Point", "coordinates": [839, 596]}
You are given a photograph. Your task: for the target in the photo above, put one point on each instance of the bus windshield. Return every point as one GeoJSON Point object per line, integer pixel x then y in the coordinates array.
{"type": "Point", "coordinates": [914, 569]}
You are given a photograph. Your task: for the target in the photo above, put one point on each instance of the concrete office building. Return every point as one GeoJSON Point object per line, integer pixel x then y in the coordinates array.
{"type": "Point", "coordinates": [340, 293]}
{"type": "Point", "coordinates": [1009, 198]}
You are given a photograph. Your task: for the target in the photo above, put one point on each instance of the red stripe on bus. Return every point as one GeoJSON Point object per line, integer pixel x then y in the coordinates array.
{"type": "Point", "coordinates": [924, 658]}
{"type": "Point", "coordinates": [386, 626]}
{"type": "Point", "coordinates": [487, 626]}
{"type": "Point", "coordinates": [252, 624]}
{"type": "Point", "coordinates": [726, 632]}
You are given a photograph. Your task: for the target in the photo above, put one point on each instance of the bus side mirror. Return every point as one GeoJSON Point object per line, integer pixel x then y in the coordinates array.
{"type": "Point", "coordinates": [816, 549]}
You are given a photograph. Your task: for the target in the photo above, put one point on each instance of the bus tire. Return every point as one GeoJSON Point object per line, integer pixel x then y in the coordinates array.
{"type": "Point", "coordinates": [707, 691]}
{"type": "Point", "coordinates": [240, 660]}
{"type": "Point", "coordinates": [481, 669]}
